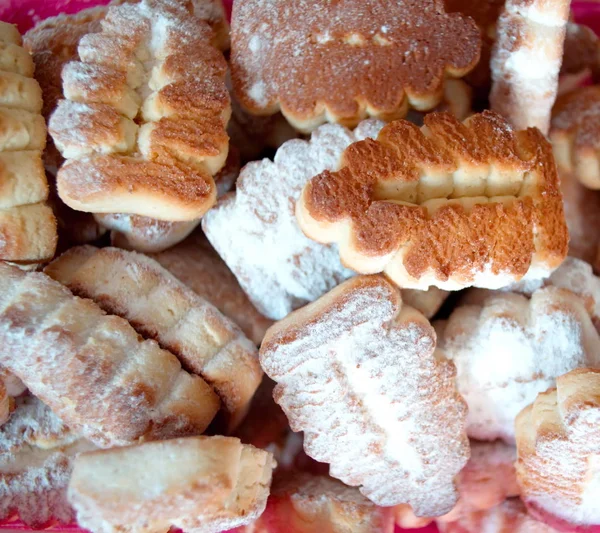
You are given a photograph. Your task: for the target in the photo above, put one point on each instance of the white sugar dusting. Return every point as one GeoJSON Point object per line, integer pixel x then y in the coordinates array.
{"type": "Point", "coordinates": [256, 233]}
{"type": "Point", "coordinates": [372, 398]}
{"type": "Point", "coordinates": [509, 349]}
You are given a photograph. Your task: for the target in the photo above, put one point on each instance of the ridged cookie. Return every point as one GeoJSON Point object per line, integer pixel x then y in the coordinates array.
{"type": "Point", "coordinates": [346, 61]}
{"type": "Point", "coordinates": [451, 204]}
{"type": "Point", "coordinates": [160, 307]}
{"type": "Point", "coordinates": [94, 370]}
{"type": "Point", "coordinates": [358, 372]}
{"type": "Point", "coordinates": [558, 442]}
{"type": "Point", "coordinates": [198, 484]}
{"type": "Point", "coordinates": [526, 61]}
{"type": "Point", "coordinates": [36, 454]}
{"type": "Point", "coordinates": [27, 225]}
{"type": "Point", "coordinates": [143, 123]}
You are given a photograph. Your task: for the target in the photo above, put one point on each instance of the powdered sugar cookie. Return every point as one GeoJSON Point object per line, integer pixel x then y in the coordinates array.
{"type": "Point", "coordinates": [305, 503]}
{"type": "Point", "coordinates": [36, 452]}
{"type": "Point", "coordinates": [345, 61]}
{"type": "Point", "coordinates": [349, 370]}
{"type": "Point", "coordinates": [510, 516]}
{"type": "Point", "coordinates": [508, 349]}
{"type": "Point", "coordinates": [485, 482]}
{"type": "Point", "coordinates": [450, 205]}
{"type": "Point", "coordinates": [255, 230]}
{"type": "Point", "coordinates": [526, 61]}
{"type": "Point", "coordinates": [558, 441]}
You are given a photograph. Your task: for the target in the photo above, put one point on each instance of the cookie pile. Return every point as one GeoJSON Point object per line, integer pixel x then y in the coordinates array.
{"type": "Point", "coordinates": [332, 268]}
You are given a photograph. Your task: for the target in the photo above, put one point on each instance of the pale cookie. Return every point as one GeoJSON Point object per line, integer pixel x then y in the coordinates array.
{"type": "Point", "coordinates": [450, 205]}
{"type": "Point", "coordinates": [161, 307]}
{"type": "Point", "coordinates": [197, 264]}
{"type": "Point", "coordinates": [526, 61]}
{"type": "Point", "coordinates": [36, 452]}
{"type": "Point", "coordinates": [305, 503]}
{"type": "Point", "coordinates": [143, 123]}
{"type": "Point", "coordinates": [27, 226]}
{"type": "Point", "coordinates": [485, 482]}
{"type": "Point", "coordinates": [94, 370]}
{"type": "Point", "coordinates": [508, 349]}
{"type": "Point", "coordinates": [198, 484]}
{"type": "Point", "coordinates": [575, 134]}
{"type": "Point", "coordinates": [358, 372]}
{"type": "Point", "coordinates": [509, 517]}
{"type": "Point", "coordinates": [346, 61]}
{"type": "Point", "coordinates": [255, 230]}
{"type": "Point", "coordinates": [148, 235]}
{"type": "Point", "coordinates": [558, 442]}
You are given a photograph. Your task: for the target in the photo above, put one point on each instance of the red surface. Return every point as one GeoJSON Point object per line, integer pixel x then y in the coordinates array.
{"type": "Point", "coordinates": [25, 13]}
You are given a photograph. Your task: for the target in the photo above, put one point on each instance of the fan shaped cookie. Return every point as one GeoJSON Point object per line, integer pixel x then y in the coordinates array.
{"type": "Point", "coordinates": [345, 61]}
{"type": "Point", "coordinates": [195, 263]}
{"type": "Point", "coordinates": [357, 371]}
{"type": "Point", "coordinates": [159, 306]}
{"type": "Point", "coordinates": [485, 482]}
{"type": "Point", "coordinates": [304, 503]}
{"type": "Point", "coordinates": [27, 225]}
{"type": "Point", "coordinates": [510, 516]}
{"type": "Point", "coordinates": [558, 441]}
{"type": "Point", "coordinates": [255, 231]}
{"type": "Point", "coordinates": [94, 370]}
{"type": "Point", "coordinates": [198, 484]}
{"type": "Point", "coordinates": [575, 134]}
{"type": "Point", "coordinates": [152, 64]}
{"type": "Point", "coordinates": [451, 204]}
{"type": "Point", "coordinates": [526, 61]}
{"type": "Point", "coordinates": [36, 453]}
{"type": "Point", "coordinates": [508, 349]}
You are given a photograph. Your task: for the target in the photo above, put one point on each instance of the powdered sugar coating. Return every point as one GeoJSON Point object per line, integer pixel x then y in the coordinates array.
{"type": "Point", "coordinates": [358, 373]}
{"type": "Point", "coordinates": [255, 229]}
{"type": "Point", "coordinates": [507, 349]}
{"type": "Point", "coordinates": [526, 61]}
{"type": "Point", "coordinates": [558, 439]}
{"type": "Point", "coordinates": [36, 449]}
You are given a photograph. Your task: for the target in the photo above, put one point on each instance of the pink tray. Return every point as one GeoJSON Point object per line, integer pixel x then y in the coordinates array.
{"type": "Point", "coordinates": [26, 13]}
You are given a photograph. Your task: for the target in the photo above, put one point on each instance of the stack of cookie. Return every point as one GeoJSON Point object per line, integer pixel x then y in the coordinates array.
{"type": "Point", "coordinates": [382, 321]}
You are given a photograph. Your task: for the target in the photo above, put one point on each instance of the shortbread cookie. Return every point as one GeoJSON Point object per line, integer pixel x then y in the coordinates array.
{"type": "Point", "coordinates": [304, 503]}
{"type": "Point", "coordinates": [558, 441]}
{"type": "Point", "coordinates": [162, 168]}
{"type": "Point", "coordinates": [509, 517]}
{"type": "Point", "coordinates": [350, 368]}
{"type": "Point", "coordinates": [93, 370]}
{"type": "Point", "coordinates": [343, 62]}
{"type": "Point", "coordinates": [457, 100]}
{"type": "Point", "coordinates": [485, 482]}
{"type": "Point", "coordinates": [13, 385]}
{"type": "Point", "coordinates": [27, 225]}
{"type": "Point", "coordinates": [526, 61]}
{"type": "Point", "coordinates": [575, 136]}
{"type": "Point", "coordinates": [195, 263]}
{"type": "Point", "coordinates": [148, 235]}
{"type": "Point", "coordinates": [161, 307]}
{"type": "Point", "coordinates": [451, 204]}
{"type": "Point", "coordinates": [582, 51]}
{"type": "Point", "coordinates": [427, 302]}
{"type": "Point", "coordinates": [198, 484]}
{"type": "Point", "coordinates": [255, 231]}
{"type": "Point", "coordinates": [509, 348]}
{"type": "Point", "coordinates": [36, 450]}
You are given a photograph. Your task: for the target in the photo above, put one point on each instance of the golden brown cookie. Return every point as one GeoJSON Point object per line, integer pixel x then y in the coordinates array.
{"type": "Point", "coordinates": [345, 61]}
{"type": "Point", "coordinates": [450, 205]}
